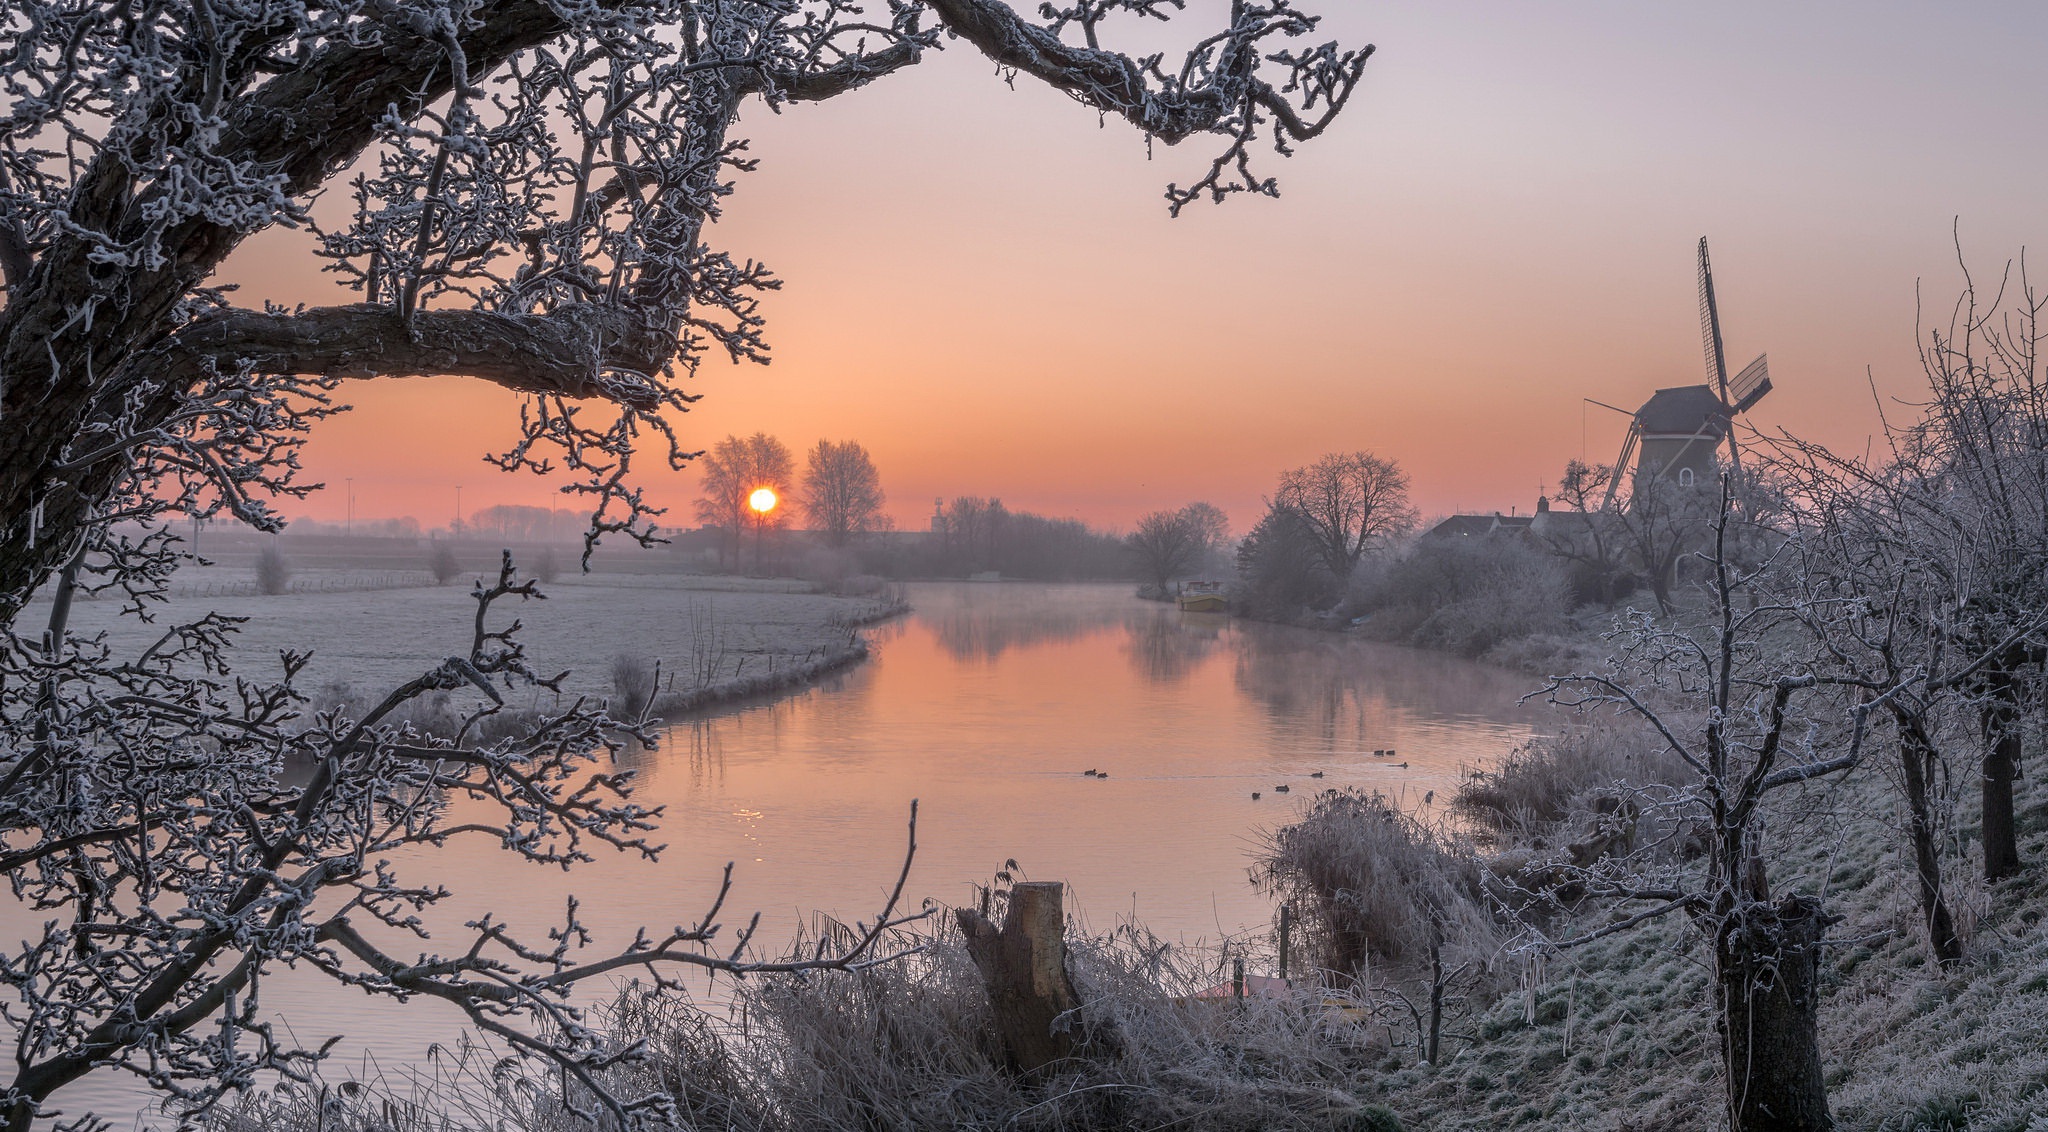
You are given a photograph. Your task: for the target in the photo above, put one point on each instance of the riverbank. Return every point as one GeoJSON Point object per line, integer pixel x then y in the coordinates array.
{"type": "Point", "coordinates": [1574, 644]}
{"type": "Point", "coordinates": [1616, 1035]}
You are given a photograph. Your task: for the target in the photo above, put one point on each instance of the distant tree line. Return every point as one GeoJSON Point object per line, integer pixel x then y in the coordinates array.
{"type": "Point", "coordinates": [504, 522]}
{"type": "Point", "coordinates": [839, 498]}
{"type": "Point", "coordinates": [976, 535]}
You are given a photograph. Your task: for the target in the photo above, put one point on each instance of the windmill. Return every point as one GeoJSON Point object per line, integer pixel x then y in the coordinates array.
{"type": "Point", "coordinates": [1677, 430]}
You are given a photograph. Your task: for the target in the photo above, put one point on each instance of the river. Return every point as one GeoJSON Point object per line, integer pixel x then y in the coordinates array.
{"type": "Point", "coordinates": [986, 705]}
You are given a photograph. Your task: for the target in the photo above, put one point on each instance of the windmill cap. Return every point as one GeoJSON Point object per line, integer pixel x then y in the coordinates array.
{"type": "Point", "coordinates": [1682, 410]}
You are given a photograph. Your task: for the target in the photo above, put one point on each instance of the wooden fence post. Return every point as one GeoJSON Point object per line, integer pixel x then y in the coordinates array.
{"type": "Point", "coordinates": [1286, 925]}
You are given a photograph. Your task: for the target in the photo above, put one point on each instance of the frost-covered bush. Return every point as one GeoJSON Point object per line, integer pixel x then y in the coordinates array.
{"type": "Point", "coordinates": [1372, 884]}
{"type": "Point", "coordinates": [906, 1046]}
{"type": "Point", "coordinates": [442, 563]}
{"type": "Point", "coordinates": [1463, 595]}
{"type": "Point", "coordinates": [273, 571]}
{"type": "Point", "coordinates": [633, 676]}
{"type": "Point", "coordinates": [1550, 778]}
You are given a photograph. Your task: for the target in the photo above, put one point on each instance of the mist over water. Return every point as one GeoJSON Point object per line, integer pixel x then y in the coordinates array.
{"type": "Point", "coordinates": [986, 704]}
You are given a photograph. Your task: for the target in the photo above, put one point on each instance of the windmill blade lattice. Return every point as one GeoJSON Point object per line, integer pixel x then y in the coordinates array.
{"type": "Point", "coordinates": [1710, 328]}
{"type": "Point", "coordinates": [1751, 384]}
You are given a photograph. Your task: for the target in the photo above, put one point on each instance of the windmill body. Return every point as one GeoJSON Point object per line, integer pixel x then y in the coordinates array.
{"type": "Point", "coordinates": [1679, 433]}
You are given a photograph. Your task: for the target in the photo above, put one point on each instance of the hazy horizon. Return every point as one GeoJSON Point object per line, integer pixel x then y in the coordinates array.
{"type": "Point", "coordinates": [983, 287]}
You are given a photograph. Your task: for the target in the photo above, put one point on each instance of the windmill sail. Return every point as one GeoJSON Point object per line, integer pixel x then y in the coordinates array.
{"type": "Point", "coordinates": [1710, 327]}
{"type": "Point", "coordinates": [1751, 384]}
{"type": "Point", "coordinates": [1717, 356]}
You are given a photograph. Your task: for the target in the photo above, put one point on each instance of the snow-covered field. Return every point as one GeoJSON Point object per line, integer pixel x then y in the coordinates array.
{"type": "Point", "coordinates": [703, 629]}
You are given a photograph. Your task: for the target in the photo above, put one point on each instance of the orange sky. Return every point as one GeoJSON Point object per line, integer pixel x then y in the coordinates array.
{"type": "Point", "coordinates": [983, 287]}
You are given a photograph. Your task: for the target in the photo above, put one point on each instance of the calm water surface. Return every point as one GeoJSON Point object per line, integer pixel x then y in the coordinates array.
{"type": "Point", "coordinates": [986, 704]}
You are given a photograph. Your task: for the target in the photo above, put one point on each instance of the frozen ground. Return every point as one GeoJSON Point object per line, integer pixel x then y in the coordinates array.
{"type": "Point", "coordinates": [704, 630]}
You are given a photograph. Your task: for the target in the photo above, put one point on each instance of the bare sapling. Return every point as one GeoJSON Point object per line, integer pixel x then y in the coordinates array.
{"type": "Point", "coordinates": [1978, 455]}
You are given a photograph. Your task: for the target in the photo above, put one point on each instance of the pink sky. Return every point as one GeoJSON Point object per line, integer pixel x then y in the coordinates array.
{"type": "Point", "coordinates": [983, 287]}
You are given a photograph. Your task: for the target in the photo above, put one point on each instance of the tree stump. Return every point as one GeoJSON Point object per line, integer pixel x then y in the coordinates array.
{"type": "Point", "coordinates": [1024, 967]}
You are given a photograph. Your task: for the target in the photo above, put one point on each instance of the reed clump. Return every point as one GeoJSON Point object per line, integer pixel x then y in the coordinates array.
{"type": "Point", "coordinates": [1373, 884]}
{"type": "Point", "coordinates": [911, 1045]}
{"type": "Point", "coordinates": [1554, 778]}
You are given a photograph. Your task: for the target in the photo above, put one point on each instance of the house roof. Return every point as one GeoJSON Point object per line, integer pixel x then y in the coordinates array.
{"type": "Point", "coordinates": [1461, 526]}
{"type": "Point", "coordinates": [1683, 410]}
{"type": "Point", "coordinates": [1468, 526]}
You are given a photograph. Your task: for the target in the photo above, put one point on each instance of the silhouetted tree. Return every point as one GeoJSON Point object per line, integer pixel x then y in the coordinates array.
{"type": "Point", "coordinates": [729, 474]}
{"type": "Point", "coordinates": [1348, 500]}
{"type": "Point", "coordinates": [1281, 569]}
{"type": "Point", "coordinates": [842, 492]}
{"type": "Point", "coordinates": [1592, 539]}
{"type": "Point", "coordinates": [1171, 544]}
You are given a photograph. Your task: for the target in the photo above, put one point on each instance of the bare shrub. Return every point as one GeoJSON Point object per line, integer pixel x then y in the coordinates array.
{"type": "Point", "coordinates": [709, 652]}
{"type": "Point", "coordinates": [443, 564]}
{"type": "Point", "coordinates": [633, 684]}
{"type": "Point", "coordinates": [273, 570]}
{"type": "Point", "coordinates": [547, 567]}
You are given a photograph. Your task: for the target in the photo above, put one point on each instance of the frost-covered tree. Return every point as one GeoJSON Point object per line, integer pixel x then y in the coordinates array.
{"type": "Point", "coordinates": [1764, 690]}
{"type": "Point", "coordinates": [518, 191]}
{"type": "Point", "coordinates": [1348, 501]}
{"type": "Point", "coordinates": [1747, 721]}
{"type": "Point", "coordinates": [1171, 544]}
{"type": "Point", "coordinates": [530, 181]}
{"type": "Point", "coordinates": [842, 491]}
{"type": "Point", "coordinates": [1976, 463]}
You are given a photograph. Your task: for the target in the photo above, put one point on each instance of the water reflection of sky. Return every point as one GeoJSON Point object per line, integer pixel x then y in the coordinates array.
{"type": "Point", "coordinates": [987, 704]}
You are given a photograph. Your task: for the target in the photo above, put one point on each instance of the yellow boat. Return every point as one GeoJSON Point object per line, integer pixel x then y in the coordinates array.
{"type": "Point", "coordinates": [1202, 597]}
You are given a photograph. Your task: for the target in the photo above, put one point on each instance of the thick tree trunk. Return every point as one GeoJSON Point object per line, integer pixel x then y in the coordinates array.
{"type": "Point", "coordinates": [1916, 759]}
{"type": "Point", "coordinates": [74, 331]}
{"type": "Point", "coordinates": [1025, 968]}
{"type": "Point", "coordinates": [1767, 967]}
{"type": "Point", "coordinates": [2001, 722]}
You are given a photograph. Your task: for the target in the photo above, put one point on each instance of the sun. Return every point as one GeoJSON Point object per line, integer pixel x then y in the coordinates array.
{"type": "Point", "coordinates": [763, 500]}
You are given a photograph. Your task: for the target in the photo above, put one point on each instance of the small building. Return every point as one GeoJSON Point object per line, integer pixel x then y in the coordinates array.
{"type": "Point", "coordinates": [1477, 526]}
